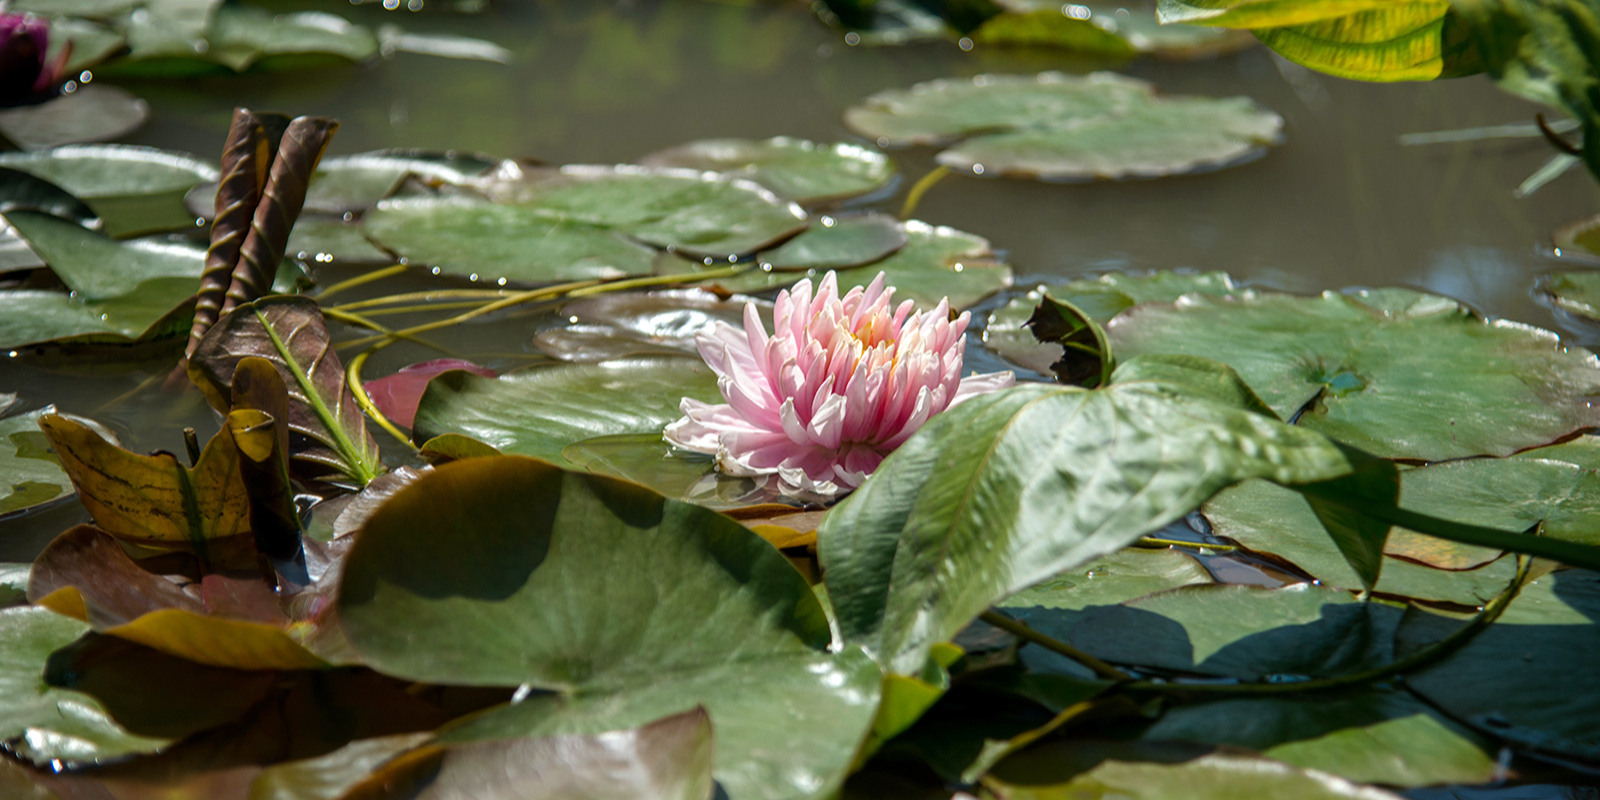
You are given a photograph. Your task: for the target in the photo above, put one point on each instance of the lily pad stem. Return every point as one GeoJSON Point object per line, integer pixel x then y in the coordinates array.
{"type": "Point", "coordinates": [352, 377]}
{"type": "Point", "coordinates": [1028, 634]}
{"type": "Point", "coordinates": [362, 280]}
{"type": "Point", "coordinates": [438, 294]}
{"type": "Point", "coordinates": [914, 197]}
{"type": "Point", "coordinates": [1422, 658]}
{"type": "Point", "coordinates": [363, 322]}
{"type": "Point", "coordinates": [1151, 541]}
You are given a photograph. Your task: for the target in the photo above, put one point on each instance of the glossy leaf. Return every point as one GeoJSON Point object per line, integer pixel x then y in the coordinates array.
{"type": "Point", "coordinates": [99, 267]}
{"type": "Point", "coordinates": [1055, 127]}
{"type": "Point", "coordinates": [1394, 372]}
{"type": "Point", "coordinates": [1098, 29]}
{"type": "Point", "coordinates": [289, 332]}
{"type": "Point", "coordinates": [33, 474]}
{"type": "Point", "coordinates": [1577, 293]}
{"type": "Point", "coordinates": [113, 170]}
{"type": "Point", "coordinates": [357, 182]}
{"type": "Point", "coordinates": [623, 324]}
{"type": "Point", "coordinates": [397, 395]}
{"type": "Point", "coordinates": [153, 500]}
{"type": "Point", "coordinates": [92, 113]}
{"type": "Point", "coordinates": [693, 610]}
{"type": "Point", "coordinates": [838, 243]}
{"type": "Point", "coordinates": [330, 776]}
{"type": "Point", "coordinates": [537, 411]}
{"type": "Point", "coordinates": [22, 190]}
{"type": "Point", "coordinates": [1007, 489]}
{"type": "Point", "coordinates": [803, 171]}
{"type": "Point", "coordinates": [143, 329]}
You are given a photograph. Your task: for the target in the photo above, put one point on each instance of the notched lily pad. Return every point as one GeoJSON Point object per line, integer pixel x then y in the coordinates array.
{"type": "Point", "coordinates": [1395, 372]}
{"type": "Point", "coordinates": [797, 169]}
{"type": "Point", "coordinates": [1056, 127]}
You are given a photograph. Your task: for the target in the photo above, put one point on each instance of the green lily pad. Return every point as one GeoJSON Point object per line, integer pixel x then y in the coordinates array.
{"type": "Point", "coordinates": [1105, 29]}
{"type": "Point", "coordinates": [491, 241]}
{"type": "Point", "coordinates": [800, 170]}
{"type": "Point", "coordinates": [1010, 488]}
{"type": "Point", "coordinates": [33, 474]}
{"type": "Point", "coordinates": [646, 459]}
{"type": "Point", "coordinates": [98, 267]}
{"type": "Point", "coordinates": [1514, 679]}
{"type": "Point", "coordinates": [324, 240]}
{"type": "Point", "coordinates": [1247, 632]}
{"type": "Point", "coordinates": [1210, 777]}
{"type": "Point", "coordinates": [91, 113]}
{"type": "Point", "coordinates": [1277, 521]}
{"type": "Point", "coordinates": [92, 43]}
{"type": "Point", "coordinates": [1055, 127]}
{"type": "Point", "coordinates": [13, 584]}
{"type": "Point", "coordinates": [357, 182]}
{"type": "Point", "coordinates": [937, 262]}
{"type": "Point", "coordinates": [679, 607]}
{"type": "Point", "coordinates": [1579, 240]}
{"type": "Point", "coordinates": [53, 722]}
{"type": "Point", "coordinates": [697, 213]}
{"type": "Point", "coordinates": [1101, 298]}
{"type": "Point", "coordinates": [206, 37]}
{"type": "Point", "coordinates": [538, 411]}
{"type": "Point", "coordinates": [1369, 735]}
{"type": "Point", "coordinates": [839, 243]}
{"type": "Point", "coordinates": [1398, 373]}
{"type": "Point", "coordinates": [113, 170]}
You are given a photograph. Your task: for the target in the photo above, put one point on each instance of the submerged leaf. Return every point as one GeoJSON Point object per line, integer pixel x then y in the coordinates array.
{"type": "Point", "coordinates": [289, 332]}
{"type": "Point", "coordinates": [687, 608]}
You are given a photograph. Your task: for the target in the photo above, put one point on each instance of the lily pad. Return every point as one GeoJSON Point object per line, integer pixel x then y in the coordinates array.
{"type": "Point", "coordinates": [1001, 492]}
{"type": "Point", "coordinates": [213, 38]}
{"type": "Point", "coordinates": [1365, 734]}
{"type": "Point", "coordinates": [143, 329]}
{"type": "Point", "coordinates": [330, 776]}
{"type": "Point", "coordinates": [113, 170]}
{"type": "Point", "coordinates": [1055, 127]}
{"type": "Point", "coordinates": [321, 240]}
{"type": "Point", "coordinates": [1398, 373]}
{"type": "Point", "coordinates": [1276, 521]}
{"type": "Point", "coordinates": [492, 241]}
{"type": "Point", "coordinates": [797, 169]}
{"type": "Point", "coordinates": [54, 722]}
{"type": "Point", "coordinates": [91, 113]}
{"type": "Point", "coordinates": [538, 411]}
{"type": "Point", "coordinates": [1251, 633]}
{"type": "Point", "coordinates": [1102, 298]}
{"type": "Point", "coordinates": [397, 395]}
{"type": "Point", "coordinates": [357, 182]}
{"type": "Point", "coordinates": [839, 243]}
{"type": "Point", "coordinates": [671, 621]}
{"type": "Point", "coordinates": [1577, 293]}
{"type": "Point", "coordinates": [1579, 239]}
{"type": "Point", "coordinates": [937, 262]}
{"type": "Point", "coordinates": [98, 267]}
{"type": "Point", "coordinates": [1514, 679]}
{"type": "Point", "coordinates": [33, 474]}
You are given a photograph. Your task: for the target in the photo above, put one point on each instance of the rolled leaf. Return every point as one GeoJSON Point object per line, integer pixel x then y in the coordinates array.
{"type": "Point", "coordinates": [299, 151]}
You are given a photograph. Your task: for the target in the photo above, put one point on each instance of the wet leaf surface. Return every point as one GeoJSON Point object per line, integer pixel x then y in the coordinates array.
{"type": "Point", "coordinates": [610, 326]}
{"type": "Point", "coordinates": [839, 243]}
{"type": "Point", "coordinates": [538, 411]}
{"type": "Point", "coordinates": [357, 182]}
{"type": "Point", "coordinates": [803, 171]}
{"type": "Point", "coordinates": [707, 601]}
{"type": "Point", "coordinates": [952, 522]}
{"type": "Point", "coordinates": [1394, 372]}
{"type": "Point", "coordinates": [1211, 777]}
{"type": "Point", "coordinates": [99, 267]}
{"type": "Point", "coordinates": [113, 170]}
{"type": "Point", "coordinates": [1055, 127]}
{"type": "Point", "coordinates": [93, 113]}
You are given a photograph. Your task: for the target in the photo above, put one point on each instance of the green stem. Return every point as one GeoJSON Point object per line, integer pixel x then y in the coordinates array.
{"type": "Point", "coordinates": [433, 294]}
{"type": "Point", "coordinates": [1428, 655]}
{"type": "Point", "coordinates": [348, 452]}
{"type": "Point", "coordinates": [1026, 633]}
{"type": "Point", "coordinates": [914, 197]}
{"type": "Point", "coordinates": [362, 280]}
{"type": "Point", "coordinates": [1151, 541]}
{"type": "Point", "coordinates": [361, 320]}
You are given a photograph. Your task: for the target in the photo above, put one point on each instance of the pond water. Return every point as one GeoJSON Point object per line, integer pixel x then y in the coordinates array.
{"type": "Point", "coordinates": [1342, 203]}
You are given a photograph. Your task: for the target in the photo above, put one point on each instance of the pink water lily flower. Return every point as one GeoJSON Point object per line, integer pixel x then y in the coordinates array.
{"type": "Point", "coordinates": [840, 383]}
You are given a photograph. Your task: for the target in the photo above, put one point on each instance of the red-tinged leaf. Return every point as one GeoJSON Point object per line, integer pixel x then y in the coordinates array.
{"type": "Point", "coordinates": [397, 395]}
